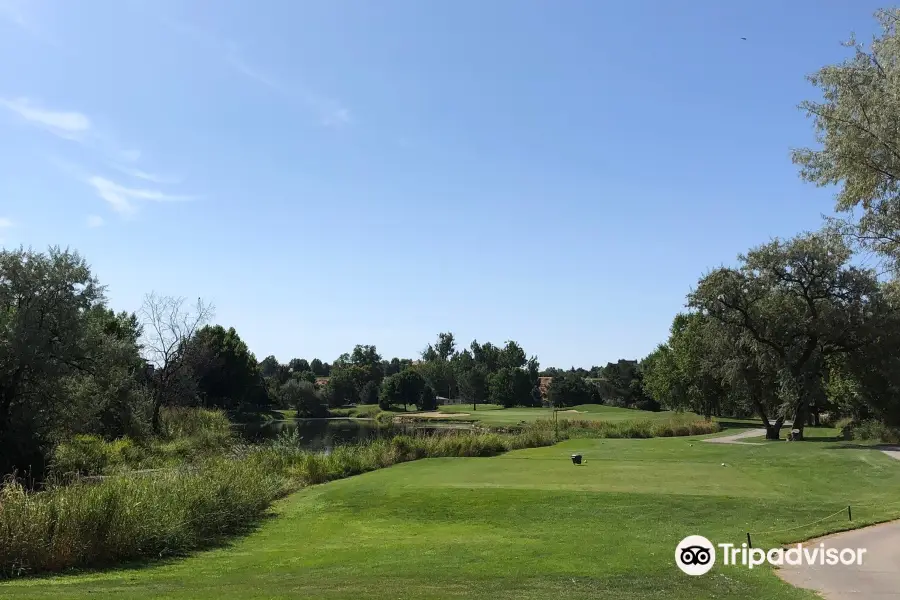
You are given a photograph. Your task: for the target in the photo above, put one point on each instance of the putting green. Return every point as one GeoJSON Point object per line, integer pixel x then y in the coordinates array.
{"type": "Point", "coordinates": [528, 525]}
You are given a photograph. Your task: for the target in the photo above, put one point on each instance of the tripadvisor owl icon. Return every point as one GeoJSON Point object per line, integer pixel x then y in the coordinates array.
{"type": "Point", "coordinates": [695, 555]}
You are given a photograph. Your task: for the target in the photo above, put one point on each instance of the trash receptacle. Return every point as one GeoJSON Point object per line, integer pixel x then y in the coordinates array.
{"type": "Point", "coordinates": [576, 459]}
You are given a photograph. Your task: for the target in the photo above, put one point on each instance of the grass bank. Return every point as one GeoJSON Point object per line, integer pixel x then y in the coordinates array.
{"type": "Point", "coordinates": [528, 525]}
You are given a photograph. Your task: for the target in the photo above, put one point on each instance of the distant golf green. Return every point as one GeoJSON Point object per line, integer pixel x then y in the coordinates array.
{"type": "Point", "coordinates": [528, 525]}
{"type": "Point", "coordinates": [491, 414]}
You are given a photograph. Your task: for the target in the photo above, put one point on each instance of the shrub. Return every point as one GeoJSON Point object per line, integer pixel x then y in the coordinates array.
{"type": "Point", "coordinates": [384, 418]}
{"type": "Point", "coordinates": [872, 430]}
{"type": "Point", "coordinates": [369, 393]}
{"type": "Point", "coordinates": [846, 427]}
{"type": "Point", "coordinates": [179, 422]}
{"type": "Point", "coordinates": [302, 396]}
{"type": "Point", "coordinates": [648, 404]}
{"type": "Point", "coordinates": [427, 399]}
{"type": "Point", "coordinates": [92, 455]}
{"type": "Point", "coordinates": [672, 427]}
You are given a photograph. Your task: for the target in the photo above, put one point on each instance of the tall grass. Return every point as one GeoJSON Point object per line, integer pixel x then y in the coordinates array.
{"type": "Point", "coordinates": [678, 425]}
{"type": "Point", "coordinates": [187, 435]}
{"type": "Point", "coordinates": [92, 455]}
{"type": "Point", "coordinates": [308, 468]}
{"type": "Point", "coordinates": [209, 426]}
{"type": "Point", "coordinates": [129, 517]}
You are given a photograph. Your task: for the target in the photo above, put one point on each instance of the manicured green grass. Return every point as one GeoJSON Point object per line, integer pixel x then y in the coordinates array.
{"type": "Point", "coordinates": [528, 525]}
{"type": "Point", "coordinates": [491, 414]}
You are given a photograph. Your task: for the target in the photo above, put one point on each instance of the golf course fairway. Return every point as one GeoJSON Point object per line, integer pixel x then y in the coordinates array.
{"type": "Point", "coordinates": [526, 525]}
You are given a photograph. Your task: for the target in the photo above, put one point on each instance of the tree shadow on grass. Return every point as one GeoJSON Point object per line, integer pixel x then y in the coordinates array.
{"type": "Point", "coordinates": [831, 438]}
{"type": "Point", "coordinates": [879, 447]}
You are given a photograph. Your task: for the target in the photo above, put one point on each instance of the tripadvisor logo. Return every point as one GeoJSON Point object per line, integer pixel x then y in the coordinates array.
{"type": "Point", "coordinates": [696, 555]}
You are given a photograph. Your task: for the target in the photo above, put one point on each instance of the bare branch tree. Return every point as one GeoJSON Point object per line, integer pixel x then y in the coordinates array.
{"type": "Point", "coordinates": [169, 324]}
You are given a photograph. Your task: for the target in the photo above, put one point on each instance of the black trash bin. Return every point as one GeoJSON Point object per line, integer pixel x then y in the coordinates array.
{"type": "Point", "coordinates": [576, 459]}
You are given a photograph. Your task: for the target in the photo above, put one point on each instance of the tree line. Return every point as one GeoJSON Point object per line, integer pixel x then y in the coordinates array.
{"type": "Point", "coordinates": [71, 365]}
{"type": "Point", "coordinates": [478, 374]}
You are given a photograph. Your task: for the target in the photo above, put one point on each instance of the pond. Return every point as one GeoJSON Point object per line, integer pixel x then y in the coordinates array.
{"type": "Point", "coordinates": [325, 434]}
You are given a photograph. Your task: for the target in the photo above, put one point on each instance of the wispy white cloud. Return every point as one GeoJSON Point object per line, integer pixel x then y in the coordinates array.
{"type": "Point", "coordinates": [95, 221]}
{"type": "Point", "coordinates": [71, 125]}
{"type": "Point", "coordinates": [145, 176]}
{"type": "Point", "coordinates": [124, 200]}
{"type": "Point", "coordinates": [328, 111]}
{"type": "Point", "coordinates": [236, 62]}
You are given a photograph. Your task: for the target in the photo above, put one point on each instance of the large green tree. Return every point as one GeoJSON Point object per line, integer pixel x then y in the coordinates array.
{"type": "Point", "coordinates": [303, 396]}
{"type": "Point", "coordinates": [471, 378]}
{"type": "Point", "coordinates": [686, 373]}
{"type": "Point", "coordinates": [298, 365]}
{"type": "Point", "coordinates": [269, 367]}
{"type": "Point", "coordinates": [368, 360]}
{"type": "Point", "coordinates": [319, 368]}
{"type": "Point", "coordinates": [110, 397]}
{"type": "Point", "coordinates": [437, 365]}
{"type": "Point", "coordinates": [510, 387]}
{"type": "Point", "coordinates": [403, 388]}
{"type": "Point", "coordinates": [792, 305]}
{"type": "Point", "coordinates": [45, 338]}
{"type": "Point", "coordinates": [228, 376]}
{"type": "Point", "coordinates": [569, 390]}
{"type": "Point", "coordinates": [856, 123]}
{"type": "Point", "coordinates": [344, 385]}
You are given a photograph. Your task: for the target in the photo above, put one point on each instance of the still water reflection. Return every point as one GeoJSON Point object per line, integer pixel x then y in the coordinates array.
{"type": "Point", "coordinates": [325, 434]}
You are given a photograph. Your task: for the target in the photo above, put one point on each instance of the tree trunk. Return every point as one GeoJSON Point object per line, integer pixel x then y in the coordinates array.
{"type": "Point", "coordinates": [800, 416]}
{"type": "Point", "coordinates": [5, 404]}
{"type": "Point", "coordinates": [155, 423]}
{"type": "Point", "coordinates": [816, 419]}
{"type": "Point", "coordinates": [773, 429]}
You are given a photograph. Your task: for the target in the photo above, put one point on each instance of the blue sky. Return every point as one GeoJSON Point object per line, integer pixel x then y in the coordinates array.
{"type": "Point", "coordinates": [331, 173]}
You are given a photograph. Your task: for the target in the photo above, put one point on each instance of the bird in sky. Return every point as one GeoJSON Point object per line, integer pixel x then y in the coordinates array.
{"type": "Point", "coordinates": [743, 38]}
